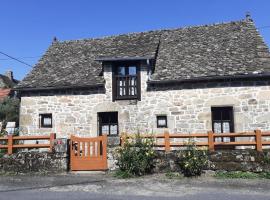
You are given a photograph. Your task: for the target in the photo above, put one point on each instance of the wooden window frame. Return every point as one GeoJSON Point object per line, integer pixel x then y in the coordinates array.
{"type": "Point", "coordinates": [41, 120]}
{"type": "Point", "coordinates": [115, 95]}
{"type": "Point", "coordinates": [162, 117]}
{"type": "Point", "coordinates": [231, 121]}
{"type": "Point", "coordinates": [100, 124]}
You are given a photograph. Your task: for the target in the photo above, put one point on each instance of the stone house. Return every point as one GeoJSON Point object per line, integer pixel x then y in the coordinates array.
{"type": "Point", "coordinates": [185, 80]}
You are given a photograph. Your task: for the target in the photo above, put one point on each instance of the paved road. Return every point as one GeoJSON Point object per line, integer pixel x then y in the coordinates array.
{"type": "Point", "coordinates": [70, 187]}
{"type": "Point", "coordinates": [42, 195]}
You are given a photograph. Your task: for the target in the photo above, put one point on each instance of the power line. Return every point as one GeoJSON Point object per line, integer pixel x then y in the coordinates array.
{"type": "Point", "coordinates": [20, 61]}
{"type": "Point", "coordinates": [29, 57]}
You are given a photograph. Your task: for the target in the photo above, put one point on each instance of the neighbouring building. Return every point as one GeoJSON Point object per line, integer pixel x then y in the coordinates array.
{"type": "Point", "coordinates": [6, 83]}
{"type": "Point", "coordinates": [185, 80]}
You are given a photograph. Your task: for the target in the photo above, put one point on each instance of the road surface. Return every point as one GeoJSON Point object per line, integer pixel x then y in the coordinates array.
{"type": "Point", "coordinates": [104, 187]}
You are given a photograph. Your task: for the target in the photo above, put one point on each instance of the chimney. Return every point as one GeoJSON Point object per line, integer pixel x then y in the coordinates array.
{"type": "Point", "coordinates": [248, 16]}
{"type": "Point", "coordinates": [55, 39]}
{"type": "Point", "coordinates": [9, 74]}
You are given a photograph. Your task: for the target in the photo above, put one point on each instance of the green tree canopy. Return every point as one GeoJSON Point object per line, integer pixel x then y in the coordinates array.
{"type": "Point", "coordinates": [9, 110]}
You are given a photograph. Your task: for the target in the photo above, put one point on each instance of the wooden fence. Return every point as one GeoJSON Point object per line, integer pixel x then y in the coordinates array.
{"type": "Point", "coordinates": [10, 144]}
{"type": "Point", "coordinates": [168, 140]}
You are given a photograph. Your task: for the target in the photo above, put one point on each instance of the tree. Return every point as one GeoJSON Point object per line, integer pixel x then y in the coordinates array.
{"type": "Point", "coordinates": [9, 110]}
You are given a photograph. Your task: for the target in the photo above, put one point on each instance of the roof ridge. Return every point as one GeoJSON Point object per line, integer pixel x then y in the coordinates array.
{"type": "Point", "coordinates": [156, 30]}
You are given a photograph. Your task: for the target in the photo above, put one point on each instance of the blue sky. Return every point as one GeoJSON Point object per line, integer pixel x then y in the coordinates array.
{"type": "Point", "coordinates": [28, 26]}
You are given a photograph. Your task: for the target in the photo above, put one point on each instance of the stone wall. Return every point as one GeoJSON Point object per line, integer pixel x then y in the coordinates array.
{"type": "Point", "coordinates": [187, 106]}
{"type": "Point", "coordinates": [236, 160]}
{"type": "Point", "coordinates": [34, 162]}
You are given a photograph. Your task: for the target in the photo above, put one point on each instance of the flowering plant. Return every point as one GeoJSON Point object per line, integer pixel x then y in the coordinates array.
{"type": "Point", "coordinates": [192, 160]}
{"type": "Point", "coordinates": [136, 156]}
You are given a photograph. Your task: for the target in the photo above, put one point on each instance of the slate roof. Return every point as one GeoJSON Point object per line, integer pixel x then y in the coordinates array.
{"type": "Point", "coordinates": [73, 63]}
{"type": "Point", "coordinates": [225, 49]}
{"type": "Point", "coordinates": [5, 82]}
{"type": "Point", "coordinates": [234, 48]}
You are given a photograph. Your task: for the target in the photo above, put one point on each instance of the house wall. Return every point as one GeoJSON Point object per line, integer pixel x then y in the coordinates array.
{"type": "Point", "coordinates": [187, 106]}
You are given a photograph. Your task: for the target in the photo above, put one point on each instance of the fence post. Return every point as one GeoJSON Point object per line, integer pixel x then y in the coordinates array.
{"type": "Point", "coordinates": [211, 145]}
{"type": "Point", "coordinates": [10, 144]}
{"type": "Point", "coordinates": [258, 140]}
{"type": "Point", "coordinates": [167, 141]}
{"type": "Point", "coordinates": [104, 151]}
{"type": "Point", "coordinates": [52, 137]}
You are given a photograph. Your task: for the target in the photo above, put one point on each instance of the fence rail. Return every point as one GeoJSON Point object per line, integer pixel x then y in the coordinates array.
{"type": "Point", "coordinates": [10, 140]}
{"type": "Point", "coordinates": [258, 140]}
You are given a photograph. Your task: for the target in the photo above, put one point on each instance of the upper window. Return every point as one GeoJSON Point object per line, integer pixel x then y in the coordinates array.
{"type": "Point", "coordinates": [126, 82]}
{"type": "Point", "coordinates": [45, 120]}
{"type": "Point", "coordinates": [222, 119]}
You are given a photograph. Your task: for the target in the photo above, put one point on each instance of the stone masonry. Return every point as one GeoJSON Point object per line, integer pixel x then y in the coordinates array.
{"type": "Point", "coordinates": [188, 108]}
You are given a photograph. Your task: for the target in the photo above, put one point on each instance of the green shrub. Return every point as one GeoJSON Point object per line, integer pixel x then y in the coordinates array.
{"type": "Point", "coordinates": [9, 110]}
{"type": "Point", "coordinates": [135, 157]}
{"type": "Point", "coordinates": [265, 175]}
{"type": "Point", "coordinates": [192, 160]}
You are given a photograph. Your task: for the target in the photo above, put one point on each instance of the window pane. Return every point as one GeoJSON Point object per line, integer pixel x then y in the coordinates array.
{"type": "Point", "coordinates": [226, 114]}
{"type": "Point", "coordinates": [161, 122]}
{"type": "Point", "coordinates": [122, 83]}
{"type": "Point", "coordinates": [113, 117]}
{"type": "Point", "coordinates": [105, 129]}
{"type": "Point", "coordinates": [217, 127]}
{"type": "Point", "coordinates": [216, 114]}
{"type": "Point", "coordinates": [131, 91]}
{"type": "Point", "coordinates": [113, 130]}
{"type": "Point", "coordinates": [226, 127]}
{"type": "Point", "coordinates": [121, 71]}
{"type": "Point", "coordinates": [47, 121]}
{"type": "Point", "coordinates": [132, 70]}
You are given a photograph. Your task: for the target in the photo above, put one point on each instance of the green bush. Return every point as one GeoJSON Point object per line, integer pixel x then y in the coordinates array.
{"type": "Point", "coordinates": [9, 110]}
{"type": "Point", "coordinates": [135, 157]}
{"type": "Point", "coordinates": [192, 160]}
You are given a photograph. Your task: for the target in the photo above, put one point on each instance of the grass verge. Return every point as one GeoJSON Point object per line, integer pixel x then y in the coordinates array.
{"type": "Point", "coordinates": [122, 174]}
{"type": "Point", "coordinates": [242, 175]}
{"type": "Point", "coordinates": [173, 175]}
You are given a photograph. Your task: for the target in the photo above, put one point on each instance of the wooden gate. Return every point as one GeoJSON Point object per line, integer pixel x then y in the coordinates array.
{"type": "Point", "coordinates": [88, 153]}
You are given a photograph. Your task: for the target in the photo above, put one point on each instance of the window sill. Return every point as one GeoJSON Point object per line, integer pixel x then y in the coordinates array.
{"type": "Point", "coordinates": [126, 98]}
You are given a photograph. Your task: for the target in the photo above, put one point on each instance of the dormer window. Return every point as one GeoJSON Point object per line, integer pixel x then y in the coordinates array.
{"type": "Point", "coordinates": [126, 81]}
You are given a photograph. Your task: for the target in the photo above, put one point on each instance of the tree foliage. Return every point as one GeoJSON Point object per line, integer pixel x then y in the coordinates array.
{"type": "Point", "coordinates": [9, 110]}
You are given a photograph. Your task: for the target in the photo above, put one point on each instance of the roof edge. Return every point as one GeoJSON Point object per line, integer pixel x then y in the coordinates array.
{"type": "Point", "coordinates": [123, 58]}
{"type": "Point", "coordinates": [59, 88]}
{"type": "Point", "coordinates": [213, 78]}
